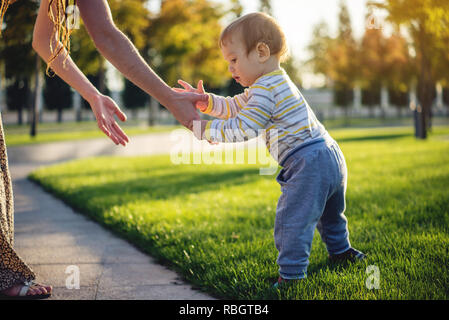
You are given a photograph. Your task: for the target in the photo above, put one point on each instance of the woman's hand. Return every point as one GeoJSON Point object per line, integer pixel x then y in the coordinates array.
{"type": "Point", "coordinates": [104, 109]}
{"type": "Point", "coordinates": [182, 106]}
{"type": "Point", "coordinates": [201, 104]}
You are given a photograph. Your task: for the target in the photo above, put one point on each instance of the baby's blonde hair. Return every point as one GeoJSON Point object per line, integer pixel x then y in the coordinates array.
{"type": "Point", "coordinates": [254, 28]}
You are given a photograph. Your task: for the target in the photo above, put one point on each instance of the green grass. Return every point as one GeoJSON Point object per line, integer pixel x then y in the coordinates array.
{"type": "Point", "coordinates": [17, 135]}
{"type": "Point", "coordinates": [214, 223]}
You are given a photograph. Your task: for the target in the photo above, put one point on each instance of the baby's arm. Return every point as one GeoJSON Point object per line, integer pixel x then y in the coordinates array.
{"type": "Point", "coordinates": [226, 107]}
{"type": "Point", "coordinates": [217, 106]}
{"type": "Point", "coordinates": [253, 117]}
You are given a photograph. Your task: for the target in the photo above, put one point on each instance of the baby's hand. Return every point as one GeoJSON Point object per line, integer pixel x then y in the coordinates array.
{"type": "Point", "coordinates": [200, 105]}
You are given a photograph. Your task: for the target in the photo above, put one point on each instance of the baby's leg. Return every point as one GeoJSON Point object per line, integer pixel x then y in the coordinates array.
{"type": "Point", "coordinates": [299, 209]}
{"type": "Point", "coordinates": [333, 225]}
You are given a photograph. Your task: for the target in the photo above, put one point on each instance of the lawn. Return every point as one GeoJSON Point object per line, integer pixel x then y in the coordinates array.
{"type": "Point", "coordinates": [17, 135]}
{"type": "Point", "coordinates": [214, 223]}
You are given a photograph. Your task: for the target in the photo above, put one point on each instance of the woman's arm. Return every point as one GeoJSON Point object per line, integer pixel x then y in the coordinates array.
{"type": "Point", "coordinates": [103, 107]}
{"type": "Point", "coordinates": [119, 50]}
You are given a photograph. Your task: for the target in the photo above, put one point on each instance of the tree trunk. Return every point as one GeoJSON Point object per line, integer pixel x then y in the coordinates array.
{"type": "Point", "coordinates": [426, 85]}
{"type": "Point", "coordinates": [20, 116]}
{"type": "Point", "coordinates": [153, 111]}
{"type": "Point", "coordinates": [59, 117]}
{"type": "Point", "coordinates": [425, 102]}
{"type": "Point", "coordinates": [384, 101]}
{"type": "Point", "coordinates": [77, 104]}
{"type": "Point", "coordinates": [36, 98]}
{"type": "Point", "coordinates": [102, 78]}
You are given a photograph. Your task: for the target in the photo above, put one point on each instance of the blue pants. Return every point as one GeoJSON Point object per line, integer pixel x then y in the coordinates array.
{"type": "Point", "coordinates": [313, 184]}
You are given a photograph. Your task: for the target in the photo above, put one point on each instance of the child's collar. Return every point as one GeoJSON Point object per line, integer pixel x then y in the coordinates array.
{"type": "Point", "coordinates": [279, 71]}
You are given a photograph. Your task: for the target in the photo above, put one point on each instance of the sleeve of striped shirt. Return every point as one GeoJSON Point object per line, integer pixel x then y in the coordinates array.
{"type": "Point", "coordinates": [226, 107]}
{"type": "Point", "coordinates": [252, 118]}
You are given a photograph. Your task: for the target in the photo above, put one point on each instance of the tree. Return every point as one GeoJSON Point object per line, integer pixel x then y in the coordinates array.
{"type": "Point", "coordinates": [372, 63]}
{"type": "Point", "coordinates": [319, 49]}
{"type": "Point", "coordinates": [236, 8]}
{"type": "Point", "coordinates": [18, 95]}
{"type": "Point", "coordinates": [385, 64]}
{"type": "Point", "coordinates": [133, 18]}
{"type": "Point", "coordinates": [335, 58]}
{"type": "Point", "coordinates": [57, 95]}
{"type": "Point", "coordinates": [133, 97]}
{"type": "Point", "coordinates": [427, 22]}
{"type": "Point", "coordinates": [265, 6]}
{"type": "Point", "coordinates": [343, 68]}
{"type": "Point", "coordinates": [184, 42]}
{"type": "Point", "coordinates": [18, 55]}
{"type": "Point", "coordinates": [400, 70]}
{"type": "Point", "coordinates": [290, 66]}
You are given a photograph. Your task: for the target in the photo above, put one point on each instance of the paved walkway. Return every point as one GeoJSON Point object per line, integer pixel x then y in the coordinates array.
{"type": "Point", "coordinates": [51, 237]}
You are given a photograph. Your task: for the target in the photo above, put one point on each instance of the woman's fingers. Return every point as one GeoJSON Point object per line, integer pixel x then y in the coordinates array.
{"type": "Point", "coordinates": [194, 97]}
{"type": "Point", "coordinates": [120, 133]}
{"type": "Point", "coordinates": [107, 131]}
{"type": "Point", "coordinates": [120, 114]}
{"type": "Point", "coordinates": [116, 135]}
{"type": "Point", "coordinates": [102, 127]}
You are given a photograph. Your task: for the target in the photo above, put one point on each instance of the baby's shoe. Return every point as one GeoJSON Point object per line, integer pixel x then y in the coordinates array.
{"type": "Point", "coordinates": [281, 281]}
{"type": "Point", "coordinates": [349, 255]}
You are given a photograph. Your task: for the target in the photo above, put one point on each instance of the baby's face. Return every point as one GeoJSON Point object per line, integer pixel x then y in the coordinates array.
{"type": "Point", "coordinates": [245, 68]}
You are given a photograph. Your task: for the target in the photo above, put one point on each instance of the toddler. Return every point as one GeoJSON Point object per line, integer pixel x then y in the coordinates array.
{"type": "Point", "coordinates": [313, 177]}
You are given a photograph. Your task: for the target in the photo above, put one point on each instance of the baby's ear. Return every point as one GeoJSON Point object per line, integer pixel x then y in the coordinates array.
{"type": "Point", "coordinates": [263, 51]}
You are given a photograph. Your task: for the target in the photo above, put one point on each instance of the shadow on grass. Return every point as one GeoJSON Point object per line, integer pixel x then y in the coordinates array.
{"type": "Point", "coordinates": [374, 137]}
{"type": "Point", "coordinates": [161, 187]}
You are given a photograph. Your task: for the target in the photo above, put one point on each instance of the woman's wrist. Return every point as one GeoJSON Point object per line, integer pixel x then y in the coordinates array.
{"type": "Point", "coordinates": [168, 98]}
{"type": "Point", "coordinates": [92, 97]}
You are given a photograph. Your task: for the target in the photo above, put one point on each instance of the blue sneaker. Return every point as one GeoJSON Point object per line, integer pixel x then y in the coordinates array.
{"type": "Point", "coordinates": [349, 255]}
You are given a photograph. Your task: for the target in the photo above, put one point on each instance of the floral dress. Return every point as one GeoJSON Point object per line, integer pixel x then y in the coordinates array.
{"type": "Point", "coordinates": [13, 269]}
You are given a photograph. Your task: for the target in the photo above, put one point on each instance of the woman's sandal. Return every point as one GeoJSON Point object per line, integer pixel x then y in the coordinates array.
{"type": "Point", "coordinates": [22, 295]}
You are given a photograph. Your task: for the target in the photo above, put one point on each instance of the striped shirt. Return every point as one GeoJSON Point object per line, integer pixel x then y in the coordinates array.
{"type": "Point", "coordinates": [273, 107]}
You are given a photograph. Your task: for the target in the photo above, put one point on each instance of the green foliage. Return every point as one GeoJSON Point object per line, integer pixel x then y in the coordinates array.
{"type": "Point", "coordinates": [18, 94]}
{"type": "Point", "coordinates": [16, 50]}
{"type": "Point", "coordinates": [184, 42]}
{"type": "Point", "coordinates": [319, 48]}
{"type": "Point", "coordinates": [334, 57]}
{"type": "Point", "coordinates": [131, 17]}
{"type": "Point", "coordinates": [290, 66]}
{"type": "Point", "coordinates": [57, 94]}
{"type": "Point", "coordinates": [214, 223]}
{"type": "Point", "coordinates": [427, 22]}
{"type": "Point", "coordinates": [133, 97]}
{"type": "Point", "coordinates": [374, 62]}
{"type": "Point", "coordinates": [265, 6]}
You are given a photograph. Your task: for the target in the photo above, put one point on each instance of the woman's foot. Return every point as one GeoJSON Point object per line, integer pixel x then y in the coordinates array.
{"type": "Point", "coordinates": [34, 290]}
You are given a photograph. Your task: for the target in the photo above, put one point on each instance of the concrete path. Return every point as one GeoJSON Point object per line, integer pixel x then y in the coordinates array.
{"type": "Point", "coordinates": [56, 241]}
